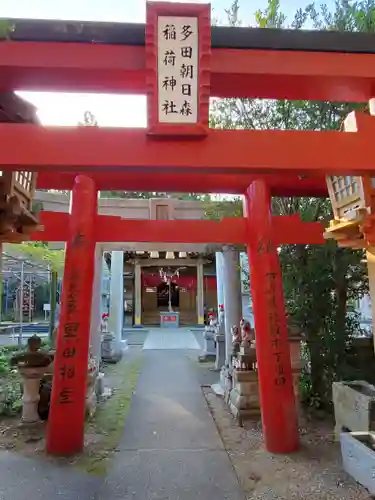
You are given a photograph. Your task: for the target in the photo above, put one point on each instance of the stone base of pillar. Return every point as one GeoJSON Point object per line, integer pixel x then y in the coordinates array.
{"type": "Point", "coordinates": [220, 351]}
{"type": "Point", "coordinates": [111, 349]}
{"type": "Point", "coordinates": [209, 351]}
{"type": "Point", "coordinates": [244, 400]}
{"type": "Point", "coordinates": [226, 382]}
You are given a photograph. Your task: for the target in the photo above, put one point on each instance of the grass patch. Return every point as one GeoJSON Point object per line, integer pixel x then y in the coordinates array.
{"type": "Point", "coordinates": [107, 425]}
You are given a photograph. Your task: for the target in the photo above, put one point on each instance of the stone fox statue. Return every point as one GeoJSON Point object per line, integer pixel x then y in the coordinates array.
{"type": "Point", "coordinates": [247, 333]}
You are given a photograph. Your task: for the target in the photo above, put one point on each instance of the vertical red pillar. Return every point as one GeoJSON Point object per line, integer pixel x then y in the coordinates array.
{"type": "Point", "coordinates": [279, 416]}
{"type": "Point", "coordinates": [65, 433]}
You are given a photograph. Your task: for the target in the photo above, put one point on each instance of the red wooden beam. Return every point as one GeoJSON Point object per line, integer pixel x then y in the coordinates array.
{"type": "Point", "coordinates": [84, 67]}
{"type": "Point", "coordinates": [280, 185]}
{"type": "Point", "coordinates": [236, 152]}
{"type": "Point", "coordinates": [287, 230]}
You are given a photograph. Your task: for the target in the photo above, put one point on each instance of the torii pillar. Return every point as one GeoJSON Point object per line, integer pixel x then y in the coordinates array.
{"type": "Point", "coordinates": [279, 415]}
{"type": "Point", "coordinates": [65, 432]}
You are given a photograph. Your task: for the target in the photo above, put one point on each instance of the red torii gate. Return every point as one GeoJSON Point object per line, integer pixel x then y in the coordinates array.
{"type": "Point", "coordinates": [182, 154]}
{"type": "Point", "coordinates": [262, 233]}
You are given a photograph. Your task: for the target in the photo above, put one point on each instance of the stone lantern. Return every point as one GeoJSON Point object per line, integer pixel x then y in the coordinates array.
{"type": "Point", "coordinates": [32, 366]}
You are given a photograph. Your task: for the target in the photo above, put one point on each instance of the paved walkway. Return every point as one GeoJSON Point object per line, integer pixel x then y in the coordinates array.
{"type": "Point", "coordinates": [171, 338]}
{"type": "Point", "coordinates": [171, 449]}
{"type": "Point", "coordinates": [25, 478]}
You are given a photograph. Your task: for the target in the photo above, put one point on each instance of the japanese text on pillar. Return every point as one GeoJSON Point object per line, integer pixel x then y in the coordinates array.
{"type": "Point", "coordinates": [71, 330]}
{"type": "Point", "coordinates": [178, 44]}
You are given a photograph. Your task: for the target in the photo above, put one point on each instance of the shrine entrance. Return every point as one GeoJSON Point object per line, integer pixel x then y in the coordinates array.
{"type": "Point", "coordinates": [173, 60]}
{"type": "Point", "coordinates": [155, 295]}
{"type": "Point", "coordinates": [163, 295]}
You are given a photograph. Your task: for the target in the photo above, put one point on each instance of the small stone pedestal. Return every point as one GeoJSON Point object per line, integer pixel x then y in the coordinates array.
{"type": "Point", "coordinates": [30, 399]}
{"type": "Point", "coordinates": [244, 401]}
{"type": "Point", "coordinates": [209, 347]}
{"type": "Point", "coordinates": [111, 350]}
{"type": "Point", "coordinates": [244, 396]}
{"type": "Point", "coordinates": [220, 351]}
{"type": "Point", "coordinates": [246, 357]}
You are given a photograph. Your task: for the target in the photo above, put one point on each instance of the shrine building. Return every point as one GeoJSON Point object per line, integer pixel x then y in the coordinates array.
{"type": "Point", "coordinates": [145, 294]}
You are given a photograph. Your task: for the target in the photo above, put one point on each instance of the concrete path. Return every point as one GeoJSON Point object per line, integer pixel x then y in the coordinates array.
{"type": "Point", "coordinates": [27, 478]}
{"type": "Point", "coordinates": [171, 338]}
{"type": "Point", "coordinates": [171, 449]}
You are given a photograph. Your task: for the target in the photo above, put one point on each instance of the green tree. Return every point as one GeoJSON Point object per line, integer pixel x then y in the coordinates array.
{"type": "Point", "coordinates": [40, 253]}
{"type": "Point", "coordinates": [145, 195]}
{"type": "Point", "coordinates": [320, 282]}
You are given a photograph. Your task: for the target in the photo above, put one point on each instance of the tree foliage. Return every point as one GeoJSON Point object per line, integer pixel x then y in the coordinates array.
{"type": "Point", "coordinates": [40, 253]}
{"type": "Point", "coordinates": [321, 283]}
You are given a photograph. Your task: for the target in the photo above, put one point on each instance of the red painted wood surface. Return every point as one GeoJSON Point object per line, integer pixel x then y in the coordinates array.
{"type": "Point", "coordinates": [286, 230]}
{"type": "Point", "coordinates": [83, 67]}
{"type": "Point", "coordinates": [279, 416]}
{"type": "Point", "coordinates": [65, 432]}
{"type": "Point", "coordinates": [233, 152]}
{"type": "Point", "coordinates": [280, 185]}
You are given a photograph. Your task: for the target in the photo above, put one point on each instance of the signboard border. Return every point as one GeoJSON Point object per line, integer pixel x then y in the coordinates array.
{"type": "Point", "coordinates": [203, 13]}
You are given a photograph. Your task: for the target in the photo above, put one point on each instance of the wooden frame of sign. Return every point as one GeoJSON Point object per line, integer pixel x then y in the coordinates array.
{"type": "Point", "coordinates": [178, 55]}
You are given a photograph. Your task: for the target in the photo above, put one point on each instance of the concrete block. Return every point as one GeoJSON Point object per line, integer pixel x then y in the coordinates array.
{"type": "Point", "coordinates": [354, 405]}
{"type": "Point", "coordinates": [220, 351]}
{"type": "Point", "coordinates": [358, 457]}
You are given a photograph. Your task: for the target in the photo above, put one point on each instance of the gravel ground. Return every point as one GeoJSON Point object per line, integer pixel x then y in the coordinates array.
{"type": "Point", "coordinates": [314, 473]}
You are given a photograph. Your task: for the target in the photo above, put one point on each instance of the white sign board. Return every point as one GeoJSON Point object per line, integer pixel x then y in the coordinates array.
{"type": "Point", "coordinates": [46, 307]}
{"type": "Point", "coordinates": [178, 45]}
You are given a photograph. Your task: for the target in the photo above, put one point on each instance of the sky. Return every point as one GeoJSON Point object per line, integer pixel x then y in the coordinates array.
{"type": "Point", "coordinates": [110, 110]}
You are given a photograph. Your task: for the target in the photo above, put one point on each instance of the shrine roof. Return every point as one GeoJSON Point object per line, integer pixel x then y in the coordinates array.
{"type": "Point", "coordinates": [222, 37]}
